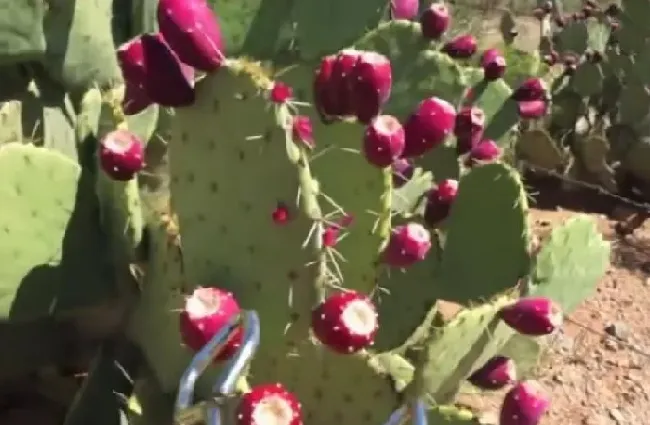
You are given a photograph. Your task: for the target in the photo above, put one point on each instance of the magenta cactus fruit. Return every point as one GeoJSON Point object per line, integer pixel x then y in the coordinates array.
{"type": "Point", "coordinates": [468, 128]}
{"type": "Point", "coordinates": [193, 32]}
{"type": "Point", "coordinates": [383, 140]}
{"type": "Point", "coordinates": [408, 244]}
{"type": "Point", "coordinates": [372, 79]}
{"type": "Point", "coordinates": [404, 9]}
{"type": "Point", "coordinates": [533, 316]}
{"type": "Point", "coordinates": [280, 93]}
{"type": "Point", "coordinates": [495, 374]}
{"type": "Point", "coordinates": [439, 202]}
{"type": "Point", "coordinates": [169, 82]}
{"type": "Point", "coordinates": [524, 404]}
{"type": "Point", "coordinates": [433, 120]}
{"type": "Point", "coordinates": [121, 155]}
{"type": "Point", "coordinates": [325, 99]}
{"type": "Point", "coordinates": [341, 82]}
{"type": "Point", "coordinates": [131, 58]}
{"type": "Point", "coordinates": [268, 404]}
{"type": "Point", "coordinates": [403, 170]}
{"type": "Point", "coordinates": [135, 100]}
{"type": "Point", "coordinates": [485, 151]}
{"type": "Point", "coordinates": [532, 109]}
{"type": "Point", "coordinates": [281, 214]}
{"type": "Point", "coordinates": [434, 21]}
{"type": "Point", "coordinates": [532, 88]}
{"type": "Point", "coordinates": [493, 64]}
{"type": "Point", "coordinates": [302, 131]}
{"type": "Point", "coordinates": [461, 47]}
{"type": "Point", "coordinates": [206, 312]}
{"type": "Point", "coordinates": [345, 322]}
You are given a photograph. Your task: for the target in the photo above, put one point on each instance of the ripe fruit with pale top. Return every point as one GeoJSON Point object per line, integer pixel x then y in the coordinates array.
{"type": "Point", "coordinates": [383, 141]}
{"type": "Point", "coordinates": [533, 316]}
{"type": "Point", "coordinates": [121, 155]}
{"type": "Point", "coordinates": [346, 322]}
{"type": "Point", "coordinates": [408, 244]}
{"type": "Point", "coordinates": [268, 404]}
{"type": "Point", "coordinates": [206, 311]}
{"type": "Point", "coordinates": [524, 404]}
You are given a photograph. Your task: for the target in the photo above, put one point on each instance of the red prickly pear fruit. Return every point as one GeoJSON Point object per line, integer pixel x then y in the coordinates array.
{"type": "Point", "coordinates": [430, 124]}
{"type": "Point", "coordinates": [169, 82]}
{"type": "Point", "coordinates": [468, 128]}
{"type": "Point", "coordinates": [383, 141]}
{"type": "Point", "coordinates": [325, 98]}
{"type": "Point", "coordinates": [281, 214]}
{"type": "Point", "coordinates": [404, 9]}
{"type": "Point", "coordinates": [135, 100]}
{"type": "Point", "coordinates": [345, 322]}
{"type": "Point", "coordinates": [403, 170]}
{"type": "Point", "coordinates": [532, 109]}
{"type": "Point", "coordinates": [439, 202]}
{"type": "Point", "coordinates": [121, 155]}
{"type": "Point", "coordinates": [485, 151]}
{"type": "Point", "coordinates": [435, 21]}
{"type": "Point", "coordinates": [461, 47]}
{"type": "Point", "coordinates": [495, 374]}
{"type": "Point", "coordinates": [532, 88]}
{"type": "Point", "coordinates": [524, 404]}
{"type": "Point", "coordinates": [205, 313]}
{"type": "Point", "coordinates": [408, 244]}
{"type": "Point", "coordinates": [280, 93]}
{"type": "Point", "coordinates": [341, 82]}
{"type": "Point", "coordinates": [371, 85]}
{"type": "Point", "coordinates": [193, 32]}
{"type": "Point", "coordinates": [493, 64]}
{"type": "Point", "coordinates": [131, 58]}
{"type": "Point", "coordinates": [533, 316]}
{"type": "Point", "coordinates": [302, 131]}
{"type": "Point", "coordinates": [268, 404]}
{"type": "Point", "coordinates": [333, 231]}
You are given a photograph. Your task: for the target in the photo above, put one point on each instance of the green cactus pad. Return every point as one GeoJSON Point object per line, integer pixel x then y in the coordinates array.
{"type": "Point", "coordinates": [80, 50]}
{"type": "Point", "coordinates": [521, 64]}
{"type": "Point", "coordinates": [485, 251]}
{"type": "Point", "coordinates": [501, 111]}
{"type": "Point", "coordinates": [451, 353]}
{"type": "Point", "coordinates": [451, 415]}
{"type": "Point", "coordinates": [539, 148]}
{"type": "Point", "coordinates": [418, 71]}
{"type": "Point", "coordinates": [325, 27]}
{"type": "Point", "coordinates": [334, 388]}
{"type": "Point", "coordinates": [154, 323]}
{"type": "Point", "coordinates": [572, 261]}
{"type": "Point", "coordinates": [22, 31]}
{"type": "Point", "coordinates": [56, 261]}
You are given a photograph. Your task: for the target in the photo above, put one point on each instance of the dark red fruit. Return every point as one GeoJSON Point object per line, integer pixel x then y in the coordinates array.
{"type": "Point", "coordinates": [121, 154]}
{"type": "Point", "coordinates": [461, 47]}
{"type": "Point", "coordinates": [409, 244]}
{"type": "Point", "coordinates": [346, 322]}
{"type": "Point", "coordinates": [495, 374]}
{"type": "Point", "coordinates": [532, 109]}
{"type": "Point", "coordinates": [468, 129]}
{"type": "Point", "coordinates": [404, 9]}
{"type": "Point", "coordinates": [130, 56]}
{"type": "Point", "coordinates": [533, 316]}
{"type": "Point", "coordinates": [302, 131]}
{"type": "Point", "coordinates": [403, 170]}
{"type": "Point", "coordinates": [435, 21]}
{"type": "Point", "coordinates": [493, 64]}
{"type": "Point", "coordinates": [532, 88]}
{"type": "Point", "coordinates": [430, 124]}
{"type": "Point", "coordinates": [169, 82]}
{"type": "Point", "coordinates": [204, 314]}
{"type": "Point", "coordinates": [325, 98]}
{"type": "Point", "coordinates": [341, 82]}
{"type": "Point", "coordinates": [485, 151]}
{"type": "Point", "coordinates": [193, 32]}
{"type": "Point", "coordinates": [383, 140]}
{"type": "Point", "coordinates": [332, 231]}
{"type": "Point", "coordinates": [268, 404]}
{"type": "Point", "coordinates": [524, 404]}
{"type": "Point", "coordinates": [439, 202]}
{"type": "Point", "coordinates": [371, 85]}
{"type": "Point", "coordinates": [280, 93]}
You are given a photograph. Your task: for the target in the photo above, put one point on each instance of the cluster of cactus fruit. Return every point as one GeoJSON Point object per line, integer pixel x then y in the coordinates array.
{"type": "Point", "coordinates": [596, 131]}
{"type": "Point", "coordinates": [351, 274]}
